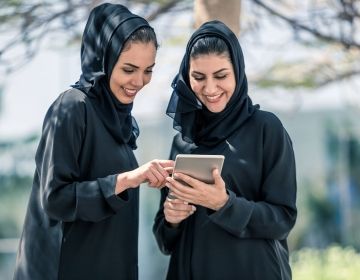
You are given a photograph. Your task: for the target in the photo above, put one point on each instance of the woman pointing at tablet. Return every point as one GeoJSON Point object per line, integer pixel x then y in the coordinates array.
{"type": "Point", "coordinates": [236, 227]}
{"type": "Point", "coordinates": [83, 215]}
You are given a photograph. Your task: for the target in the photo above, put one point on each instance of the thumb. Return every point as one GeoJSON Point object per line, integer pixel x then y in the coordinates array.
{"type": "Point", "coordinates": [217, 177]}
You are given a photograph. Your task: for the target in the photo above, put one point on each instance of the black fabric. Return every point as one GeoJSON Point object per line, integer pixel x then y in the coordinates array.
{"type": "Point", "coordinates": [246, 238]}
{"type": "Point", "coordinates": [194, 121]}
{"type": "Point", "coordinates": [75, 226]}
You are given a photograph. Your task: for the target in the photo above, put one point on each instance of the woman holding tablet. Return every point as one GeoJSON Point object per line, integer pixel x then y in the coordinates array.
{"type": "Point", "coordinates": [235, 227]}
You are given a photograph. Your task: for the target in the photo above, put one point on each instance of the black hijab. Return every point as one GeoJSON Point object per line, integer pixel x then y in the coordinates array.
{"type": "Point", "coordinates": [197, 124]}
{"type": "Point", "coordinates": [106, 31]}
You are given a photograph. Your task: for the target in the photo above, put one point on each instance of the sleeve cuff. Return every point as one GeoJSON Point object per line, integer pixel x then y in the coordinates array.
{"type": "Point", "coordinates": [107, 186]}
{"type": "Point", "coordinates": [228, 204]}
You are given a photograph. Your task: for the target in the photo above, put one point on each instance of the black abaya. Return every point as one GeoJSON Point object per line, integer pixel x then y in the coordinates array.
{"type": "Point", "coordinates": [75, 226]}
{"type": "Point", "coordinates": [246, 238]}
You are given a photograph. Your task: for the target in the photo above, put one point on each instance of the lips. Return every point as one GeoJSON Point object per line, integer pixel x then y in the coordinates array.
{"type": "Point", "coordinates": [130, 92]}
{"type": "Point", "coordinates": [213, 98]}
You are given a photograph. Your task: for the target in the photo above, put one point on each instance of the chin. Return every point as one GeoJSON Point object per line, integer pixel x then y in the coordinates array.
{"type": "Point", "coordinates": [125, 99]}
{"type": "Point", "coordinates": [215, 109]}
{"type": "Point", "coordinates": [128, 101]}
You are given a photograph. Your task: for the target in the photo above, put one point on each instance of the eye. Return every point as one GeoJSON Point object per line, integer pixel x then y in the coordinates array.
{"type": "Point", "coordinates": [128, 70]}
{"type": "Point", "coordinates": [149, 71]}
{"type": "Point", "coordinates": [220, 77]}
{"type": "Point", "coordinates": [198, 77]}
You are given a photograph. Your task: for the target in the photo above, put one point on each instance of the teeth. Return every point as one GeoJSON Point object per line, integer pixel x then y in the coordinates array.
{"type": "Point", "coordinates": [130, 91]}
{"type": "Point", "coordinates": [213, 97]}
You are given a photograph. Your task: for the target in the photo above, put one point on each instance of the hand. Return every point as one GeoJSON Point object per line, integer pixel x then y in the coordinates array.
{"type": "Point", "coordinates": [212, 196]}
{"type": "Point", "coordinates": [177, 210]}
{"type": "Point", "coordinates": [154, 173]}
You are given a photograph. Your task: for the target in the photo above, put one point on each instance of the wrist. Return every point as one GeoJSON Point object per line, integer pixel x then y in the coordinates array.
{"type": "Point", "coordinates": [121, 183]}
{"type": "Point", "coordinates": [222, 202]}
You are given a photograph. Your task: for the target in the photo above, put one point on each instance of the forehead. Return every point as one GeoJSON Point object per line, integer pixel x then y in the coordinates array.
{"type": "Point", "coordinates": [139, 53]}
{"type": "Point", "coordinates": [210, 62]}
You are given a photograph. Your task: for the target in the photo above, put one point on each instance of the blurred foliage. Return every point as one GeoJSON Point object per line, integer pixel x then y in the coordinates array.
{"type": "Point", "coordinates": [332, 263]}
{"type": "Point", "coordinates": [327, 30]}
{"type": "Point", "coordinates": [27, 26]}
{"type": "Point", "coordinates": [325, 34]}
{"type": "Point", "coordinates": [327, 66]}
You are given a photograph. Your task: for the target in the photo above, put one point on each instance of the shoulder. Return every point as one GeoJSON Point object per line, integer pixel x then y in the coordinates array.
{"type": "Point", "coordinates": [69, 101]}
{"type": "Point", "coordinates": [69, 105]}
{"type": "Point", "coordinates": [267, 119]}
{"type": "Point", "coordinates": [271, 126]}
{"type": "Point", "coordinates": [72, 97]}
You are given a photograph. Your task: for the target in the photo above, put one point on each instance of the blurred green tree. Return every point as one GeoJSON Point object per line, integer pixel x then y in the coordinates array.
{"type": "Point", "coordinates": [332, 263]}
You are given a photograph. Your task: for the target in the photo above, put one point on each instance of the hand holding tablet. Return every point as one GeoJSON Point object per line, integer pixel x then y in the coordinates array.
{"type": "Point", "coordinates": [199, 167]}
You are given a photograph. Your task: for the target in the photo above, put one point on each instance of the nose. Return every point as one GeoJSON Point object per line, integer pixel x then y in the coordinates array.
{"type": "Point", "coordinates": [210, 86]}
{"type": "Point", "coordinates": [138, 80]}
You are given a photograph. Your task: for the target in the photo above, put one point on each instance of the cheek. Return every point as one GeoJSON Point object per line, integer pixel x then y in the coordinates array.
{"type": "Point", "coordinates": [147, 79]}
{"type": "Point", "coordinates": [115, 78]}
{"type": "Point", "coordinates": [112, 83]}
{"type": "Point", "coordinates": [231, 91]}
{"type": "Point", "coordinates": [232, 85]}
{"type": "Point", "coordinates": [116, 82]}
{"type": "Point", "coordinates": [195, 87]}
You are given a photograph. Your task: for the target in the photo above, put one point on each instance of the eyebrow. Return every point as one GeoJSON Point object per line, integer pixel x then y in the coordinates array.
{"type": "Point", "coordinates": [218, 71]}
{"type": "Point", "coordinates": [137, 67]}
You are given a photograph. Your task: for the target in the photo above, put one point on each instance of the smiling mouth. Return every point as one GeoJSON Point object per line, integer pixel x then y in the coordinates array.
{"type": "Point", "coordinates": [130, 92]}
{"type": "Point", "coordinates": [213, 98]}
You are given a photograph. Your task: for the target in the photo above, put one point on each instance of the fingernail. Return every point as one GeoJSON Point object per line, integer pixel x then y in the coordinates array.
{"type": "Point", "coordinates": [185, 202]}
{"type": "Point", "coordinates": [193, 208]}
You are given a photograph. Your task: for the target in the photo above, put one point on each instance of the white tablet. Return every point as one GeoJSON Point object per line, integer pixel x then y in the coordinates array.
{"type": "Point", "coordinates": [198, 166]}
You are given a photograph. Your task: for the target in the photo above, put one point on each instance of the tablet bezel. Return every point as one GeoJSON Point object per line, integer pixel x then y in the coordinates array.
{"type": "Point", "coordinates": [199, 166]}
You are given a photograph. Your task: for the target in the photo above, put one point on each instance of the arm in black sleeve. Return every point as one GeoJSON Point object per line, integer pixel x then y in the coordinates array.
{"type": "Point", "coordinates": [63, 196]}
{"type": "Point", "coordinates": [165, 235]}
{"type": "Point", "coordinates": [273, 215]}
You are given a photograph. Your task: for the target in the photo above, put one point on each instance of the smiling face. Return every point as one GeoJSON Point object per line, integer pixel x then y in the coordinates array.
{"type": "Point", "coordinates": [132, 71]}
{"type": "Point", "coordinates": [212, 79]}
